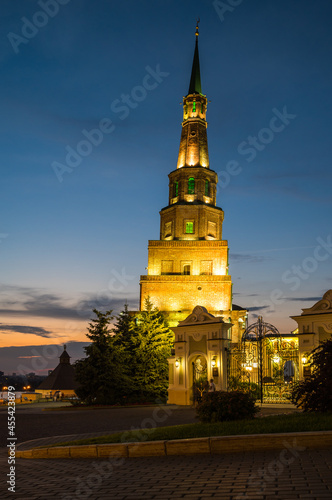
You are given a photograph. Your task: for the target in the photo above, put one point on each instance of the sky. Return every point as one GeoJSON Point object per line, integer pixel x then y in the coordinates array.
{"type": "Point", "coordinates": [91, 120]}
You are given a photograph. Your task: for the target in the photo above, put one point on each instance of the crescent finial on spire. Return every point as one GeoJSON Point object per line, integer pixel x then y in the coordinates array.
{"type": "Point", "coordinates": [197, 30]}
{"type": "Point", "coordinates": [195, 80]}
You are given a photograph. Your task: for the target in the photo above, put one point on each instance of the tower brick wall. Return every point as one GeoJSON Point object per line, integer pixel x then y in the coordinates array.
{"type": "Point", "coordinates": [189, 264]}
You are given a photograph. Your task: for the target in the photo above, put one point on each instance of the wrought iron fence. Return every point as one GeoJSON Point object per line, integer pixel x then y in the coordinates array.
{"type": "Point", "coordinates": [264, 363]}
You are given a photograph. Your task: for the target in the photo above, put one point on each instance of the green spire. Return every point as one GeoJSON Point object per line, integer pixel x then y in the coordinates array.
{"type": "Point", "coordinates": [195, 80]}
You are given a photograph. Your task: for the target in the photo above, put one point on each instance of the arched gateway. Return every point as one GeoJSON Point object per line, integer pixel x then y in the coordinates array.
{"type": "Point", "coordinates": [200, 354]}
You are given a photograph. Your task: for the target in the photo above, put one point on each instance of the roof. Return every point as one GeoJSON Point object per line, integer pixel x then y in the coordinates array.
{"type": "Point", "coordinates": [65, 358]}
{"type": "Point", "coordinates": [323, 306]}
{"type": "Point", "coordinates": [62, 377]}
{"type": "Point", "coordinates": [195, 80]}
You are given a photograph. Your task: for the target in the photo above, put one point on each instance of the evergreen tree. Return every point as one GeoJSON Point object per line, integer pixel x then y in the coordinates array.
{"type": "Point", "coordinates": [122, 329]}
{"type": "Point", "coordinates": [102, 374]}
{"type": "Point", "coordinates": [150, 345]}
{"type": "Point", "coordinates": [315, 393]}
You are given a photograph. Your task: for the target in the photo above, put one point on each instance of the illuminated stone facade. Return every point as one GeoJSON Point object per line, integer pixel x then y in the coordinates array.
{"type": "Point", "coordinates": [188, 265]}
{"type": "Point", "coordinates": [200, 341]}
{"type": "Point", "coordinates": [314, 326]}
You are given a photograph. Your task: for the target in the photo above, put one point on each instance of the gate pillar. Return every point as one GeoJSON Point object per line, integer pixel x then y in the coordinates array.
{"type": "Point", "coordinates": [200, 354]}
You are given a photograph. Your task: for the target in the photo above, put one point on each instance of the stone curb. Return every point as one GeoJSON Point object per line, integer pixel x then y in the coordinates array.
{"type": "Point", "coordinates": [298, 441]}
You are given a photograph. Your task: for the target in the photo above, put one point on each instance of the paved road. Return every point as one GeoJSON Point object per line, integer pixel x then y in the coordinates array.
{"type": "Point", "coordinates": [33, 422]}
{"type": "Point", "coordinates": [251, 476]}
{"type": "Point", "coordinates": [261, 475]}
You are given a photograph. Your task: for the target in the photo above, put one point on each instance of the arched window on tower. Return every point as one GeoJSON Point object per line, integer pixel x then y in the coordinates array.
{"type": "Point", "coordinates": [191, 185]}
{"type": "Point", "coordinates": [207, 188]}
{"type": "Point", "coordinates": [189, 227]}
{"type": "Point", "coordinates": [186, 269]}
{"type": "Point", "coordinates": [175, 189]}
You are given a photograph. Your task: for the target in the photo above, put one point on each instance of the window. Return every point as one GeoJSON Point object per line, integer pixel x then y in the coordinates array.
{"type": "Point", "coordinates": [186, 269]}
{"type": "Point", "coordinates": [166, 267]}
{"type": "Point", "coordinates": [168, 229]}
{"type": "Point", "coordinates": [212, 229]}
{"type": "Point", "coordinates": [175, 189]}
{"type": "Point", "coordinates": [206, 267]}
{"type": "Point", "coordinates": [194, 107]}
{"type": "Point", "coordinates": [189, 227]}
{"type": "Point", "coordinates": [191, 185]}
{"type": "Point", "coordinates": [207, 188]}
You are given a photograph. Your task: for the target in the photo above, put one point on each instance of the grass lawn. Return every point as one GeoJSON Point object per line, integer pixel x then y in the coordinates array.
{"type": "Point", "coordinates": [296, 422]}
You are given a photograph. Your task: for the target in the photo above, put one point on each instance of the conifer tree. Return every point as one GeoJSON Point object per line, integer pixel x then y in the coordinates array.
{"type": "Point", "coordinates": [150, 345]}
{"type": "Point", "coordinates": [102, 374]}
{"type": "Point", "coordinates": [122, 329]}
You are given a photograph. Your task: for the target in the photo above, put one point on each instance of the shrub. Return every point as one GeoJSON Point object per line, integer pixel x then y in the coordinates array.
{"type": "Point", "coordinates": [236, 384]}
{"type": "Point", "coordinates": [221, 406]}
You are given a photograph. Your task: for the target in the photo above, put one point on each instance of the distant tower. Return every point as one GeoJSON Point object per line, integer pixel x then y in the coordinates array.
{"type": "Point", "coordinates": [188, 266]}
{"type": "Point", "coordinates": [61, 380]}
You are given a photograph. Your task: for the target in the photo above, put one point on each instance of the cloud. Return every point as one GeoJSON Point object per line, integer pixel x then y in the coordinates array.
{"type": "Point", "coordinates": [27, 357]}
{"type": "Point", "coordinates": [34, 330]}
{"type": "Point", "coordinates": [102, 302]}
{"type": "Point", "coordinates": [38, 358]}
{"type": "Point", "coordinates": [290, 184]}
{"type": "Point", "coordinates": [25, 301]}
{"type": "Point", "coordinates": [301, 299]}
{"type": "Point", "coordinates": [257, 308]}
{"type": "Point", "coordinates": [242, 257]}
{"type": "Point", "coordinates": [287, 175]}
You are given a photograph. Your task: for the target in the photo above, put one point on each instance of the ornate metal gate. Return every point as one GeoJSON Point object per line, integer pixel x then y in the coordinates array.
{"type": "Point", "coordinates": [264, 363]}
{"type": "Point", "coordinates": [200, 381]}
